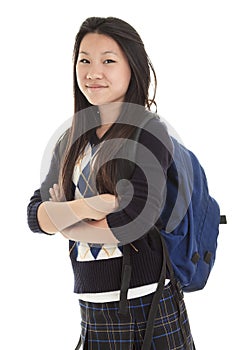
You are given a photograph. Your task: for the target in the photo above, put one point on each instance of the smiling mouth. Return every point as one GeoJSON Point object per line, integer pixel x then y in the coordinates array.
{"type": "Point", "coordinates": [96, 87]}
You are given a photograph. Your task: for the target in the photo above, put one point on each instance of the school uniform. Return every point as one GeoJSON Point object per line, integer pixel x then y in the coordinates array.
{"type": "Point", "coordinates": [98, 268]}
{"type": "Point", "coordinates": [104, 328]}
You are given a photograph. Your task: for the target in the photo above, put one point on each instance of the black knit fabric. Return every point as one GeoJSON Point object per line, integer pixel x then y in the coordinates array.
{"type": "Point", "coordinates": [105, 275]}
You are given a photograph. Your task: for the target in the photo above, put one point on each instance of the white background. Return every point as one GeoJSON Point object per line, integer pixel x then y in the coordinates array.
{"type": "Point", "coordinates": [190, 45]}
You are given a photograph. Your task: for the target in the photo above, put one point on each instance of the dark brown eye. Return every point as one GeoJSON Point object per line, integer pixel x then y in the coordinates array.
{"type": "Point", "coordinates": [109, 61]}
{"type": "Point", "coordinates": [84, 60]}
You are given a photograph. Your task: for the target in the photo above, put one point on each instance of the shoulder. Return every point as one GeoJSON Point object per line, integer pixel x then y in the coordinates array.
{"type": "Point", "coordinates": [62, 143]}
{"type": "Point", "coordinates": [154, 135]}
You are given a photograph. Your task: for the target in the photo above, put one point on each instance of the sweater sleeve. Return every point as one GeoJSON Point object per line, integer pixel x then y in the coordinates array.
{"type": "Point", "coordinates": [141, 199]}
{"type": "Point", "coordinates": [42, 194]}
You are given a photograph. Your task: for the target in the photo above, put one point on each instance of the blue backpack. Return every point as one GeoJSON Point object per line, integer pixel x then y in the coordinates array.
{"type": "Point", "coordinates": [191, 217]}
{"type": "Point", "coordinates": [191, 220]}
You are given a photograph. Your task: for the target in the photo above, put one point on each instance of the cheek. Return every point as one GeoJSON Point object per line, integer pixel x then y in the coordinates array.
{"type": "Point", "coordinates": [80, 77]}
{"type": "Point", "coordinates": [127, 77]}
{"type": "Point", "coordinates": [79, 82]}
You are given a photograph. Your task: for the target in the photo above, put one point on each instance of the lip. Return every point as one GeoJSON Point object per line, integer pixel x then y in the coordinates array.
{"type": "Point", "coordinates": [96, 86]}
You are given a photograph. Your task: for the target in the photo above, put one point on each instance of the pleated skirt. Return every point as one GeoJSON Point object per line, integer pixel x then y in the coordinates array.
{"type": "Point", "coordinates": [103, 328]}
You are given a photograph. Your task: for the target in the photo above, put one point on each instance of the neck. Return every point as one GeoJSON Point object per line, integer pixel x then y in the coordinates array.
{"type": "Point", "coordinates": [100, 131]}
{"type": "Point", "coordinates": [109, 113]}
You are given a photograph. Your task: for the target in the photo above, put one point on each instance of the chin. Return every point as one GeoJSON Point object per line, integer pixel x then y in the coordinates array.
{"type": "Point", "coordinates": [98, 102]}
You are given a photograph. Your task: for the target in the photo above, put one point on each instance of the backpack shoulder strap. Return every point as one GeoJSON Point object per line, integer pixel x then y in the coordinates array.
{"type": "Point", "coordinates": [125, 279]}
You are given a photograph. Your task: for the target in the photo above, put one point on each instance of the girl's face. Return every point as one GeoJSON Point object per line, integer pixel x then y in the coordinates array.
{"type": "Point", "coordinates": [103, 71]}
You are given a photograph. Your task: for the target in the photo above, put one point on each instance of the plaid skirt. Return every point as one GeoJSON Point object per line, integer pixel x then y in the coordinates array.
{"type": "Point", "coordinates": [103, 328]}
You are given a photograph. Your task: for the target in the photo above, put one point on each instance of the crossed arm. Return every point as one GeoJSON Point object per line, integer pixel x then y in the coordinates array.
{"type": "Point", "coordinates": [139, 205]}
{"type": "Point", "coordinates": [79, 220]}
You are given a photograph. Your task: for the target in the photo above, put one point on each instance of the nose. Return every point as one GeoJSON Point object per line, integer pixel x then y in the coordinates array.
{"type": "Point", "coordinates": [94, 75]}
{"type": "Point", "coordinates": [94, 72]}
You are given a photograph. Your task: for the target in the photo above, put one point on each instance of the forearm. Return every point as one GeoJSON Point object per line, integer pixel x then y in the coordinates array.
{"type": "Point", "coordinates": [97, 232]}
{"type": "Point", "coordinates": [56, 216]}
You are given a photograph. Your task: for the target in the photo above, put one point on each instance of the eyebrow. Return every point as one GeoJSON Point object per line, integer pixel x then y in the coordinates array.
{"type": "Point", "coordinates": [102, 53]}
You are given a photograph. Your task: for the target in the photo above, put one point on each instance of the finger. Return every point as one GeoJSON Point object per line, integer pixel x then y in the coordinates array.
{"type": "Point", "coordinates": [59, 193]}
{"type": "Point", "coordinates": [56, 190]}
{"type": "Point", "coordinates": [52, 194]}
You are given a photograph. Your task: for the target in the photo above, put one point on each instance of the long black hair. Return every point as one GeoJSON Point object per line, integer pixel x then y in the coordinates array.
{"type": "Point", "coordinates": [142, 77]}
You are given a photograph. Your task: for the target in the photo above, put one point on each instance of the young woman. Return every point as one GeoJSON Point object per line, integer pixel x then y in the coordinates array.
{"type": "Point", "coordinates": [103, 196]}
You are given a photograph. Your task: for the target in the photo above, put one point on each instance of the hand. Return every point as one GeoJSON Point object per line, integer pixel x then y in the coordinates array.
{"type": "Point", "coordinates": [56, 193]}
{"type": "Point", "coordinates": [100, 206]}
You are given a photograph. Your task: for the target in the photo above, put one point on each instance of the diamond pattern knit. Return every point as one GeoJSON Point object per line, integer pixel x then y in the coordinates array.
{"type": "Point", "coordinates": [85, 187]}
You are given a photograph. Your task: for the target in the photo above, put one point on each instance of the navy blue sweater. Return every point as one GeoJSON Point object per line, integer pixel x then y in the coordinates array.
{"type": "Point", "coordinates": [131, 222]}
